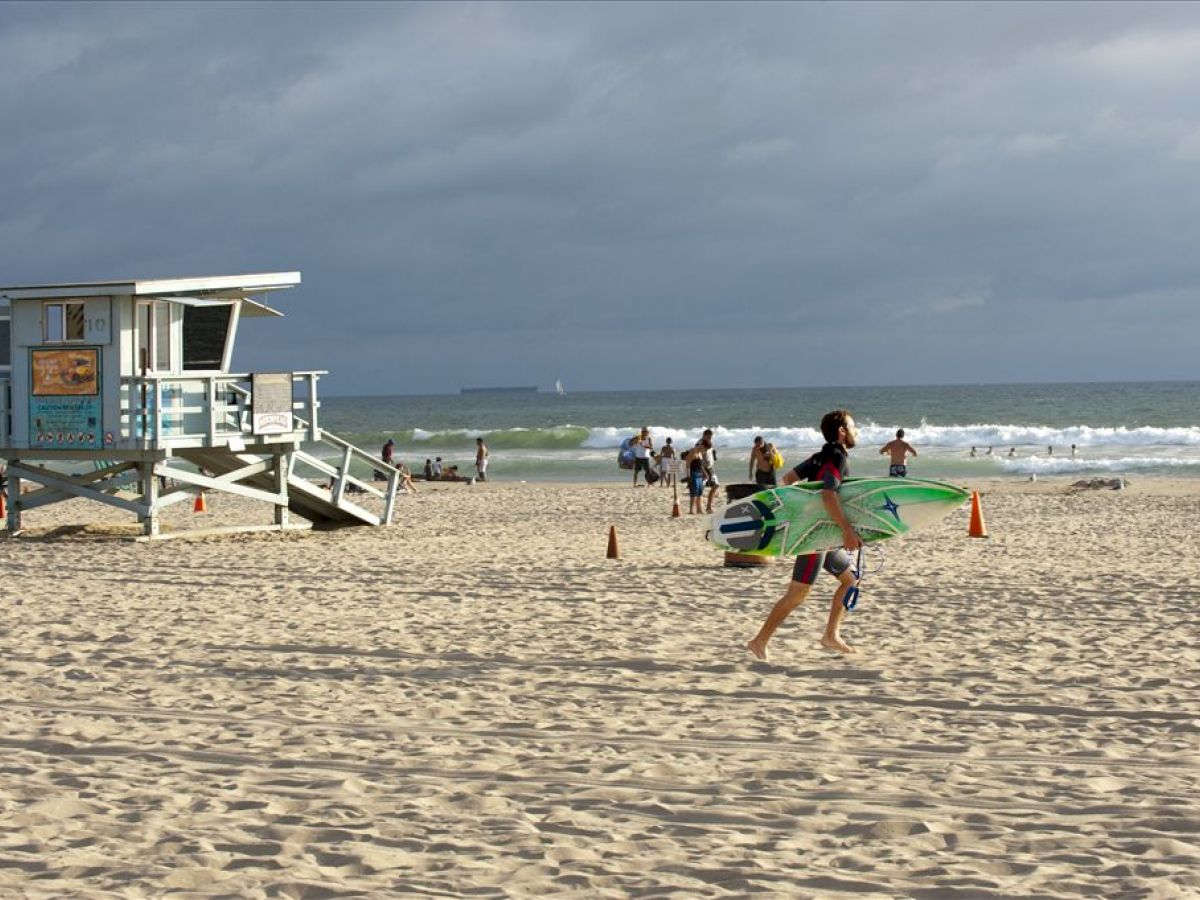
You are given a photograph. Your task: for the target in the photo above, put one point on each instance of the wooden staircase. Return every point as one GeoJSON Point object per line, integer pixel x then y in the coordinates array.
{"type": "Point", "coordinates": [324, 500]}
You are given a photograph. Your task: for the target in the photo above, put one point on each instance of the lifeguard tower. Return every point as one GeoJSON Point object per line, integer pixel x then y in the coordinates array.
{"type": "Point", "coordinates": [121, 392]}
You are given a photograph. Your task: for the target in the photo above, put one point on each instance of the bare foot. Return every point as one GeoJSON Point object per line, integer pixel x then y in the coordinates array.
{"type": "Point", "coordinates": [758, 648]}
{"type": "Point", "coordinates": [836, 644]}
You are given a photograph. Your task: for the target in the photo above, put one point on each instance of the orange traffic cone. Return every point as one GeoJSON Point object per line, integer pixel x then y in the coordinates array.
{"type": "Point", "coordinates": [676, 512]}
{"type": "Point", "coordinates": [613, 552]}
{"type": "Point", "coordinates": [977, 528]}
{"type": "Point", "coordinates": [200, 505]}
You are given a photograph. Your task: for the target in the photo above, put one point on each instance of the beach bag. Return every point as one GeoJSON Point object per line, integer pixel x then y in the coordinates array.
{"type": "Point", "coordinates": [651, 476]}
{"type": "Point", "coordinates": [625, 455]}
{"type": "Point", "coordinates": [777, 460]}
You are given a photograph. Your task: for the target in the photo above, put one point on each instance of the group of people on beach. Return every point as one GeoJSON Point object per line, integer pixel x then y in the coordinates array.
{"type": "Point", "coordinates": [434, 469]}
{"type": "Point", "coordinates": [662, 466]}
{"type": "Point", "coordinates": [1012, 451]}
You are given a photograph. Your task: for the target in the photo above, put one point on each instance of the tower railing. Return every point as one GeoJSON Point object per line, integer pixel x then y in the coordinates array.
{"type": "Point", "coordinates": [5, 408]}
{"type": "Point", "coordinates": [211, 410]}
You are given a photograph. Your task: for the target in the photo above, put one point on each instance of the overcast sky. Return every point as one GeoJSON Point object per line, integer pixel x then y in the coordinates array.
{"type": "Point", "coordinates": [629, 195]}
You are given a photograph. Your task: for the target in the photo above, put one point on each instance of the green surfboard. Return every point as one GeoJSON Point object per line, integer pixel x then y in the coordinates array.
{"type": "Point", "coordinates": [791, 520]}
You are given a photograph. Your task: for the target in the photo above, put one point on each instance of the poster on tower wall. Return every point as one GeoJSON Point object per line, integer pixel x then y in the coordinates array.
{"type": "Point", "coordinates": [271, 400]}
{"type": "Point", "coordinates": [65, 401]}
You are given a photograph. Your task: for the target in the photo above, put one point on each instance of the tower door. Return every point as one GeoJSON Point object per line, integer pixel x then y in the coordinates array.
{"type": "Point", "coordinates": [153, 332]}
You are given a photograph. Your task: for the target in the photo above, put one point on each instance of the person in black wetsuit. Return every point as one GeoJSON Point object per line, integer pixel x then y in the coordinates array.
{"type": "Point", "coordinates": [829, 465]}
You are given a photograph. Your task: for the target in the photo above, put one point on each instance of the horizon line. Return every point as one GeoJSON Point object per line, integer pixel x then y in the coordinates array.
{"type": "Point", "coordinates": [832, 387]}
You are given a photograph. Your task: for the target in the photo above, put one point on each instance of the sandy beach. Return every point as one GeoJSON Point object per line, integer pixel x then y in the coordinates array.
{"type": "Point", "coordinates": [476, 702]}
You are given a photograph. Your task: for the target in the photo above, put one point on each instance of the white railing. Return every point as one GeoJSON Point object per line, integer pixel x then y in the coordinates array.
{"type": "Point", "coordinates": [5, 410]}
{"type": "Point", "coordinates": [205, 410]}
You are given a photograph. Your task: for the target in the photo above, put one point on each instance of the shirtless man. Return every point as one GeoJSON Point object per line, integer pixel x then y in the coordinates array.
{"type": "Point", "coordinates": [899, 451]}
{"type": "Point", "coordinates": [829, 465]}
{"type": "Point", "coordinates": [755, 450]}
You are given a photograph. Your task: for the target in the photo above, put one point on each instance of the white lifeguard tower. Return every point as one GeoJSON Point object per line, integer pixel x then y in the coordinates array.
{"type": "Point", "coordinates": [120, 392]}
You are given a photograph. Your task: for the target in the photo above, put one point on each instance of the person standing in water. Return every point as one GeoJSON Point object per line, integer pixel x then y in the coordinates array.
{"type": "Point", "coordinates": [481, 459]}
{"type": "Point", "coordinates": [830, 466]}
{"type": "Point", "coordinates": [755, 450]}
{"type": "Point", "coordinates": [898, 451]}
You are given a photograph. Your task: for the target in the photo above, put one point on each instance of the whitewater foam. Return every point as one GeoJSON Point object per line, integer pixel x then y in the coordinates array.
{"type": "Point", "coordinates": [947, 437]}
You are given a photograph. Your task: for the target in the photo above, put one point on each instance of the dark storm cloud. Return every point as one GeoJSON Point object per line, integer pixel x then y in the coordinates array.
{"type": "Point", "coordinates": [629, 195]}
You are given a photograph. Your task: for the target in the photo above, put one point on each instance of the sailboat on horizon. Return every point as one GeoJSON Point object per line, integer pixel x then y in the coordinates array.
{"type": "Point", "coordinates": [558, 388]}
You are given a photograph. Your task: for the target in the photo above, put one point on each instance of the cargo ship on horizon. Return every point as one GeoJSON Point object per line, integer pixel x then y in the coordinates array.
{"type": "Point", "coordinates": [498, 390]}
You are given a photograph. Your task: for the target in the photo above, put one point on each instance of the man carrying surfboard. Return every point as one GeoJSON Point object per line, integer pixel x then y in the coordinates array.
{"type": "Point", "coordinates": [829, 465]}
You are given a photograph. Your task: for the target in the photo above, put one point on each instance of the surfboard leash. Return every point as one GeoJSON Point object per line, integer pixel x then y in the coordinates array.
{"type": "Point", "coordinates": [860, 573]}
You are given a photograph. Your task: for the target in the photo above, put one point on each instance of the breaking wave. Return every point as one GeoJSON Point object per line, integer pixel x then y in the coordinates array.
{"type": "Point", "coordinates": [944, 437]}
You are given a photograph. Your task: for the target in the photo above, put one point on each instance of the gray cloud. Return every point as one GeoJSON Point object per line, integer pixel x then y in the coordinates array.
{"type": "Point", "coordinates": [629, 195]}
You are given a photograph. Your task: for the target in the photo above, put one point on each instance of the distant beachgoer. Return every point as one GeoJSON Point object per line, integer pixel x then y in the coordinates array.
{"type": "Point", "coordinates": [761, 459]}
{"type": "Point", "coordinates": [643, 446]}
{"type": "Point", "coordinates": [386, 454]}
{"type": "Point", "coordinates": [428, 471]}
{"type": "Point", "coordinates": [1072, 451]}
{"type": "Point", "coordinates": [989, 453]}
{"type": "Point", "coordinates": [755, 450]}
{"type": "Point", "coordinates": [437, 467]}
{"type": "Point", "coordinates": [481, 459]}
{"type": "Point", "coordinates": [695, 477]}
{"type": "Point", "coordinates": [406, 480]}
{"type": "Point", "coordinates": [830, 466]}
{"type": "Point", "coordinates": [774, 457]}
{"type": "Point", "coordinates": [1012, 451]}
{"type": "Point", "coordinates": [1050, 450]}
{"type": "Point", "coordinates": [666, 463]}
{"type": "Point", "coordinates": [710, 467]}
{"type": "Point", "coordinates": [764, 469]}
{"type": "Point", "coordinates": [898, 451]}
{"type": "Point", "coordinates": [972, 451]}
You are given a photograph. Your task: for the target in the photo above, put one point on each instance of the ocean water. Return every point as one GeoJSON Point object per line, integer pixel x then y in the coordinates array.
{"type": "Point", "coordinates": [1141, 429]}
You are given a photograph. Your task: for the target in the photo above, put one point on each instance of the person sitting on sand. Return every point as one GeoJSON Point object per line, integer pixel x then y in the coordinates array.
{"type": "Point", "coordinates": [406, 479]}
{"type": "Point", "coordinates": [829, 465]}
{"type": "Point", "coordinates": [898, 451]}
